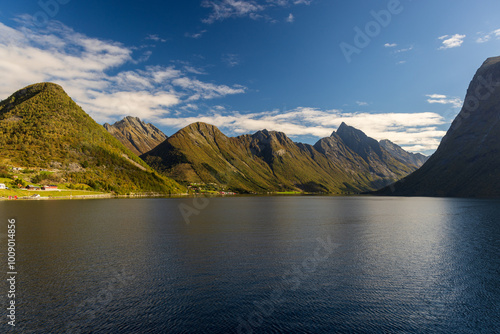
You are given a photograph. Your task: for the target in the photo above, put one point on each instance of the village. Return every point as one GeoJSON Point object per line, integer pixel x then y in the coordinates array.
{"type": "Point", "coordinates": [209, 189]}
{"type": "Point", "coordinates": [37, 183]}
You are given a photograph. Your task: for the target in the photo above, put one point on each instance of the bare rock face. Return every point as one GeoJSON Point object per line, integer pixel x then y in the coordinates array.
{"type": "Point", "coordinates": [467, 162]}
{"type": "Point", "coordinates": [136, 135]}
{"type": "Point", "coordinates": [400, 154]}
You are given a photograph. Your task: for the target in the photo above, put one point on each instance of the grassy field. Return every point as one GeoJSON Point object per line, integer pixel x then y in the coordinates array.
{"type": "Point", "coordinates": [51, 193]}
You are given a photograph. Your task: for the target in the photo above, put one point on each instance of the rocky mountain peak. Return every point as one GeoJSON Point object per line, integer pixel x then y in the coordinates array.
{"type": "Point", "coordinates": [138, 136]}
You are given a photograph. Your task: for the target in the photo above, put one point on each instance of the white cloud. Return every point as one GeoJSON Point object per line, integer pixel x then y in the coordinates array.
{"type": "Point", "coordinates": [224, 9]}
{"type": "Point", "coordinates": [203, 90]}
{"type": "Point", "coordinates": [390, 45]}
{"type": "Point", "coordinates": [290, 18]}
{"type": "Point", "coordinates": [82, 66]}
{"type": "Point", "coordinates": [404, 50]}
{"type": "Point", "coordinates": [361, 103]}
{"type": "Point", "coordinates": [451, 42]}
{"type": "Point", "coordinates": [155, 38]}
{"type": "Point", "coordinates": [196, 35]}
{"type": "Point", "coordinates": [456, 102]}
{"type": "Point", "coordinates": [410, 130]}
{"type": "Point", "coordinates": [487, 37]}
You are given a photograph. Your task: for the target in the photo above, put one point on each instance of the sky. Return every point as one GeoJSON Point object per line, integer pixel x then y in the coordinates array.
{"type": "Point", "coordinates": [395, 69]}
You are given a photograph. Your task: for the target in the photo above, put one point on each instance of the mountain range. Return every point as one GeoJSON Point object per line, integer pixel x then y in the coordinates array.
{"type": "Point", "coordinates": [41, 127]}
{"type": "Point", "coordinates": [346, 162]}
{"type": "Point", "coordinates": [467, 162]}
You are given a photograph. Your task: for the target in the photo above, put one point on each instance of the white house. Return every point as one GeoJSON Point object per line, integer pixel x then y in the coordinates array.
{"type": "Point", "coordinates": [2, 186]}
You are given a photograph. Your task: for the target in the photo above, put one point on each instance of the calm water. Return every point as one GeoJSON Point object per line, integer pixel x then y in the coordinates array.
{"type": "Point", "coordinates": [256, 265]}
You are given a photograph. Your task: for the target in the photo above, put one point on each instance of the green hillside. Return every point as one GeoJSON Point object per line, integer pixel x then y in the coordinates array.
{"type": "Point", "coordinates": [42, 128]}
{"type": "Point", "coordinates": [268, 161]}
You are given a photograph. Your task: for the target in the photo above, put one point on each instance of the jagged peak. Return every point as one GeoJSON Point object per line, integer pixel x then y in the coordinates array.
{"type": "Point", "coordinates": [343, 125]}
{"type": "Point", "coordinates": [345, 129]}
{"type": "Point", "coordinates": [385, 141]}
{"type": "Point", "coordinates": [267, 136]}
{"type": "Point", "coordinates": [133, 122]}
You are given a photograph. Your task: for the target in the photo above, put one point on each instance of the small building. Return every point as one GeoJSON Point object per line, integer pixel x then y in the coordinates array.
{"type": "Point", "coordinates": [51, 187]}
{"type": "Point", "coordinates": [3, 186]}
{"type": "Point", "coordinates": [32, 187]}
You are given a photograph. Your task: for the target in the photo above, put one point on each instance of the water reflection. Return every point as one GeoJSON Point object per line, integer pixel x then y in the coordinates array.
{"type": "Point", "coordinates": [402, 264]}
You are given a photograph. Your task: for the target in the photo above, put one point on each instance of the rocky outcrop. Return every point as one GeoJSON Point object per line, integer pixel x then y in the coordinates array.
{"type": "Point", "coordinates": [467, 162]}
{"type": "Point", "coordinates": [138, 136]}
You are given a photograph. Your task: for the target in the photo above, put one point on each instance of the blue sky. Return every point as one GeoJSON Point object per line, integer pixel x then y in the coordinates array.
{"type": "Point", "coordinates": [394, 69]}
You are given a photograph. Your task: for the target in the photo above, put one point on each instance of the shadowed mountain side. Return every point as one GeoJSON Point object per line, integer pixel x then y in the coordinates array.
{"type": "Point", "coordinates": [467, 162]}
{"type": "Point", "coordinates": [403, 156]}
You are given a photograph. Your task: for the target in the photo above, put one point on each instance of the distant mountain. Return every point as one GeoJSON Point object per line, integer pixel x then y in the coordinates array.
{"type": "Point", "coordinates": [270, 161]}
{"type": "Point", "coordinates": [41, 126]}
{"type": "Point", "coordinates": [363, 156]}
{"type": "Point", "coordinates": [403, 156]}
{"type": "Point", "coordinates": [136, 135]}
{"type": "Point", "coordinates": [467, 162]}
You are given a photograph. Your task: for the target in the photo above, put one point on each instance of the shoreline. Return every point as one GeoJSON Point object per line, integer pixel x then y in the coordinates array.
{"type": "Point", "coordinates": [184, 195]}
{"type": "Point", "coordinates": [93, 196]}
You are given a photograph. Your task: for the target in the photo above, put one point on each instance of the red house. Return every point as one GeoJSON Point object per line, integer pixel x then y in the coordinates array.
{"type": "Point", "coordinates": [49, 188]}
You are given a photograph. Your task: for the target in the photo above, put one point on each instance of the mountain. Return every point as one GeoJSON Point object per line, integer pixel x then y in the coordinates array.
{"type": "Point", "coordinates": [467, 162]}
{"type": "Point", "coordinates": [136, 135]}
{"type": "Point", "coordinates": [270, 161]}
{"type": "Point", "coordinates": [403, 156]}
{"type": "Point", "coordinates": [363, 156]}
{"type": "Point", "coordinates": [41, 127]}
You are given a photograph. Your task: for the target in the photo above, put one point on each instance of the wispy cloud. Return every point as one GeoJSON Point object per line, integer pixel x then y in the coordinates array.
{"type": "Point", "coordinates": [456, 102]}
{"type": "Point", "coordinates": [404, 49]}
{"type": "Point", "coordinates": [156, 38]}
{"type": "Point", "coordinates": [390, 45]}
{"type": "Point", "coordinates": [449, 42]}
{"type": "Point", "coordinates": [290, 18]}
{"type": "Point", "coordinates": [416, 131]}
{"type": "Point", "coordinates": [196, 35]}
{"type": "Point", "coordinates": [224, 9]}
{"type": "Point", "coordinates": [231, 60]}
{"type": "Point", "coordinates": [91, 71]}
{"type": "Point", "coordinates": [361, 103]}
{"type": "Point", "coordinates": [487, 37]}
